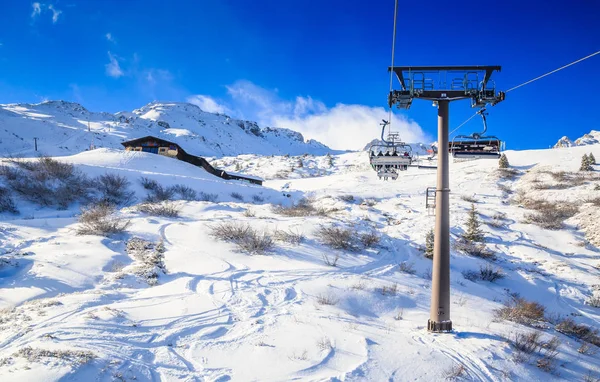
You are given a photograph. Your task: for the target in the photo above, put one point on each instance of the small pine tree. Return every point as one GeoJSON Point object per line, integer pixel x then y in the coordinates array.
{"type": "Point", "coordinates": [503, 162]}
{"type": "Point", "coordinates": [329, 160]}
{"type": "Point", "coordinates": [300, 163]}
{"type": "Point", "coordinates": [473, 233]}
{"type": "Point", "coordinates": [429, 240]}
{"type": "Point", "coordinates": [592, 159]}
{"type": "Point", "coordinates": [585, 163]}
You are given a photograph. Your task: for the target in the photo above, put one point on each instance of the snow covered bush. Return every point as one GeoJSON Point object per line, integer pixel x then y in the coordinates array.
{"type": "Point", "coordinates": [159, 193]}
{"type": "Point", "coordinates": [304, 207]}
{"type": "Point", "coordinates": [327, 299]}
{"type": "Point", "coordinates": [468, 198]}
{"type": "Point", "coordinates": [149, 259]}
{"type": "Point", "coordinates": [207, 197]}
{"type": "Point", "coordinates": [100, 219]}
{"type": "Point", "coordinates": [70, 356]}
{"type": "Point", "coordinates": [503, 162]}
{"type": "Point", "coordinates": [507, 173]}
{"type": "Point", "coordinates": [166, 209]}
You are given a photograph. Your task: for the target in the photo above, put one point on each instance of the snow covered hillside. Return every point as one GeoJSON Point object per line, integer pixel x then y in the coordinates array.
{"type": "Point", "coordinates": [243, 285]}
{"type": "Point", "coordinates": [592, 138]}
{"type": "Point", "coordinates": [61, 128]}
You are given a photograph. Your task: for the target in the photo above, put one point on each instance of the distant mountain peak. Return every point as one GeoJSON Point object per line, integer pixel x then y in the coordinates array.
{"type": "Point", "coordinates": [592, 138]}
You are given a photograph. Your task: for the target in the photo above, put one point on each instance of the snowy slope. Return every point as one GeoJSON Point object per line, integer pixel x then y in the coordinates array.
{"type": "Point", "coordinates": [221, 315]}
{"type": "Point", "coordinates": [62, 129]}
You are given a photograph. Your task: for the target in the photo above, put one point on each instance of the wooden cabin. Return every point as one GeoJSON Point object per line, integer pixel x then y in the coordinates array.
{"type": "Point", "coordinates": [159, 146]}
{"type": "Point", "coordinates": [153, 145]}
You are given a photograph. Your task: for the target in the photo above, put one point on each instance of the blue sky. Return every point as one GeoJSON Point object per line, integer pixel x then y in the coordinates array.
{"type": "Point", "coordinates": [318, 66]}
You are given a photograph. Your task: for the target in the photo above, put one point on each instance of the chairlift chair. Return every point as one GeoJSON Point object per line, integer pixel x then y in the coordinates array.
{"type": "Point", "coordinates": [476, 145]}
{"type": "Point", "coordinates": [390, 156]}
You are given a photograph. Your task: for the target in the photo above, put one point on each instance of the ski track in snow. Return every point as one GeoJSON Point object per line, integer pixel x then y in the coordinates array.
{"type": "Point", "coordinates": [221, 315]}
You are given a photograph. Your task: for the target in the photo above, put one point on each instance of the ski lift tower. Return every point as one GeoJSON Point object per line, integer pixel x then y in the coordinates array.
{"type": "Point", "coordinates": [443, 84]}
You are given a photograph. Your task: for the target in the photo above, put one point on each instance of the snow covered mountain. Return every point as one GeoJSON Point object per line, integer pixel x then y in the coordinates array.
{"type": "Point", "coordinates": [592, 138]}
{"type": "Point", "coordinates": [65, 128]}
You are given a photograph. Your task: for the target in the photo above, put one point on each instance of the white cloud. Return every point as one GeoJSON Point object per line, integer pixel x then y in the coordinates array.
{"type": "Point", "coordinates": [340, 127]}
{"type": "Point", "coordinates": [55, 13]}
{"type": "Point", "coordinates": [37, 9]}
{"type": "Point", "coordinates": [110, 37]}
{"type": "Point", "coordinates": [113, 69]}
{"type": "Point", "coordinates": [207, 104]}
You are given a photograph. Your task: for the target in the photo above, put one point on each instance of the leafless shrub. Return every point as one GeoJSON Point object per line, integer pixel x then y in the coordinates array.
{"type": "Point", "coordinates": [324, 344]}
{"type": "Point", "coordinates": [399, 315]}
{"type": "Point", "coordinates": [498, 220]}
{"type": "Point", "coordinates": [6, 202]}
{"type": "Point", "coordinates": [427, 274]}
{"type": "Point", "coordinates": [160, 194]}
{"type": "Point", "coordinates": [467, 198]}
{"type": "Point", "coordinates": [488, 273]}
{"type": "Point", "coordinates": [114, 189]}
{"type": "Point", "coordinates": [597, 187]}
{"type": "Point", "coordinates": [527, 343]}
{"type": "Point", "coordinates": [148, 184]}
{"type": "Point", "coordinates": [580, 331]}
{"type": "Point", "coordinates": [54, 169]}
{"type": "Point", "coordinates": [249, 213]}
{"type": "Point", "coordinates": [389, 290]}
{"type": "Point", "coordinates": [245, 237]}
{"type": "Point", "coordinates": [72, 356]}
{"type": "Point", "coordinates": [347, 198]}
{"type": "Point", "coordinates": [327, 299]}
{"type": "Point", "coordinates": [551, 215]}
{"type": "Point", "coordinates": [406, 267]}
{"type": "Point", "coordinates": [288, 236]}
{"type": "Point", "coordinates": [337, 237]}
{"type": "Point", "coordinates": [257, 199]}
{"type": "Point", "coordinates": [454, 373]}
{"type": "Point", "coordinates": [331, 260]}
{"type": "Point", "coordinates": [256, 243]}
{"type": "Point", "coordinates": [595, 201]}
{"type": "Point", "coordinates": [474, 249]}
{"type": "Point", "coordinates": [303, 207]}
{"type": "Point", "coordinates": [586, 349]}
{"type": "Point", "coordinates": [471, 275]}
{"type": "Point", "coordinates": [166, 209]}
{"type": "Point", "coordinates": [549, 350]}
{"type": "Point", "coordinates": [185, 192]}
{"type": "Point", "coordinates": [100, 219]}
{"type": "Point", "coordinates": [521, 311]}
{"type": "Point", "coordinates": [206, 197]}
{"type": "Point", "coordinates": [589, 377]}
{"type": "Point", "coordinates": [230, 231]}
{"type": "Point", "coordinates": [237, 196]}
{"type": "Point", "coordinates": [507, 173]}
{"type": "Point", "coordinates": [369, 239]}
{"type": "Point", "coordinates": [594, 301]}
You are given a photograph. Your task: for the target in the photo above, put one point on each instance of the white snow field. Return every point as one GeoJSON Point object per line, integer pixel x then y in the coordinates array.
{"type": "Point", "coordinates": [78, 307]}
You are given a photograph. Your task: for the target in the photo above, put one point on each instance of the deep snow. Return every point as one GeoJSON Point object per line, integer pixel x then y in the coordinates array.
{"type": "Point", "coordinates": [219, 314]}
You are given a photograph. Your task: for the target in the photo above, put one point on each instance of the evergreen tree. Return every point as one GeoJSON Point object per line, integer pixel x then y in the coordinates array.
{"type": "Point", "coordinates": [591, 159]}
{"type": "Point", "coordinates": [473, 233]}
{"type": "Point", "coordinates": [329, 160]}
{"type": "Point", "coordinates": [503, 163]}
{"type": "Point", "coordinates": [429, 239]}
{"type": "Point", "coordinates": [585, 163]}
{"type": "Point", "coordinates": [300, 163]}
